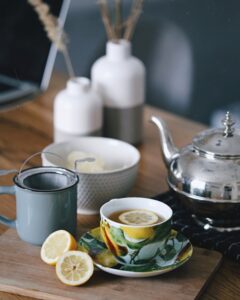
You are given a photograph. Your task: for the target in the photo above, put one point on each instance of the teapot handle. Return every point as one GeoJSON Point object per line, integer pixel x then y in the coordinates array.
{"type": "Point", "coordinates": [11, 191]}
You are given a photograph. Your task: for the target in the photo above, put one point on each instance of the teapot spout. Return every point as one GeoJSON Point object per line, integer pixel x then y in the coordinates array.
{"type": "Point", "coordinates": [169, 150]}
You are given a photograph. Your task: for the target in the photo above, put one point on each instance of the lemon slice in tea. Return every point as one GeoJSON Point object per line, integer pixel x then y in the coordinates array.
{"type": "Point", "coordinates": [74, 268]}
{"type": "Point", "coordinates": [55, 245]}
{"type": "Point", "coordinates": [138, 217]}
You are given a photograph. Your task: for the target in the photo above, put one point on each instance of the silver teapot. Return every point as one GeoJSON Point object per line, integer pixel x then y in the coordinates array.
{"type": "Point", "coordinates": [205, 175]}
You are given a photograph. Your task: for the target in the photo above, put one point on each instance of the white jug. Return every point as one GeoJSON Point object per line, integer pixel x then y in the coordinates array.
{"type": "Point", "coordinates": [77, 111]}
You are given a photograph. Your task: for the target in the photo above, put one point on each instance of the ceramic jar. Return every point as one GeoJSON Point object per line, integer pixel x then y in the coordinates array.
{"type": "Point", "coordinates": [77, 111]}
{"type": "Point", "coordinates": [119, 77]}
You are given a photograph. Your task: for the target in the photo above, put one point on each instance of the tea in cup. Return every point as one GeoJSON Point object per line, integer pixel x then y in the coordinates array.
{"type": "Point", "coordinates": [135, 229]}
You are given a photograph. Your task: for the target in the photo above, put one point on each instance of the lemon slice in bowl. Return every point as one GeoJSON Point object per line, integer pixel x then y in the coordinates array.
{"type": "Point", "coordinates": [55, 245]}
{"type": "Point", "coordinates": [138, 217]}
{"type": "Point", "coordinates": [74, 268]}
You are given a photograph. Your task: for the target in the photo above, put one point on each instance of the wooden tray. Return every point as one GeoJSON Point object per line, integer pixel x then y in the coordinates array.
{"type": "Point", "coordinates": [22, 272]}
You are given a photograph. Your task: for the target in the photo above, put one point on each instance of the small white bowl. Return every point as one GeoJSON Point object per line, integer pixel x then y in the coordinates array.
{"type": "Point", "coordinates": [95, 189]}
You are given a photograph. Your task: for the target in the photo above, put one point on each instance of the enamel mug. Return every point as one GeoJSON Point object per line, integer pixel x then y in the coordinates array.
{"type": "Point", "coordinates": [46, 200]}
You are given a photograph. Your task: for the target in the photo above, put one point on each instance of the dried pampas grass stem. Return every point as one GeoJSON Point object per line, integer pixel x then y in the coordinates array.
{"type": "Point", "coordinates": [54, 30]}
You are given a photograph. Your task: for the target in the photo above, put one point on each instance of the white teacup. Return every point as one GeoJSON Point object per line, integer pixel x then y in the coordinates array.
{"type": "Point", "coordinates": [135, 244]}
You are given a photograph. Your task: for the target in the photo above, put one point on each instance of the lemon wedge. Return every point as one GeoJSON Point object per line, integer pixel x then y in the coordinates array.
{"type": "Point", "coordinates": [74, 268]}
{"type": "Point", "coordinates": [55, 245]}
{"type": "Point", "coordinates": [138, 217]}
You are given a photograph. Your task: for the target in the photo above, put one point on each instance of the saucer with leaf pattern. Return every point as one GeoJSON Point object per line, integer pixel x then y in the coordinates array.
{"type": "Point", "coordinates": [176, 252]}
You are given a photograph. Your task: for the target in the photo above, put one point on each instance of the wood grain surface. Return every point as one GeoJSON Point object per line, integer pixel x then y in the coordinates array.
{"type": "Point", "coordinates": [23, 272]}
{"type": "Point", "coordinates": [28, 129]}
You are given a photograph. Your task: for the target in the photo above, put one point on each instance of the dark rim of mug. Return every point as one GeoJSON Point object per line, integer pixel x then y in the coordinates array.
{"type": "Point", "coordinates": [47, 167]}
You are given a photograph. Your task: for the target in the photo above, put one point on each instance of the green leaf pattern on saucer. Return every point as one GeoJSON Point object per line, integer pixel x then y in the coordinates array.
{"type": "Point", "coordinates": [176, 251]}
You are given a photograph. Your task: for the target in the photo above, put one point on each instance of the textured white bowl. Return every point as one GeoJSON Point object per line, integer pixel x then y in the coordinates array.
{"type": "Point", "coordinates": [94, 189]}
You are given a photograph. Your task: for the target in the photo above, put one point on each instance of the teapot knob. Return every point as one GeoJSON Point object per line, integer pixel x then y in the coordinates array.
{"type": "Point", "coordinates": [228, 123]}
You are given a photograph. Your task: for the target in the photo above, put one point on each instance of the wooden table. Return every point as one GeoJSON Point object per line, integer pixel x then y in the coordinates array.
{"type": "Point", "coordinates": [28, 129]}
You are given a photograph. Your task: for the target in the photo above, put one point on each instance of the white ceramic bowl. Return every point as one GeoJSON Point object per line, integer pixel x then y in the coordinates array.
{"type": "Point", "coordinates": [94, 189]}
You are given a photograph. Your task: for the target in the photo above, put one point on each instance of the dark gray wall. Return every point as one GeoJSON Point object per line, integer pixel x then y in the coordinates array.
{"type": "Point", "coordinates": [191, 49]}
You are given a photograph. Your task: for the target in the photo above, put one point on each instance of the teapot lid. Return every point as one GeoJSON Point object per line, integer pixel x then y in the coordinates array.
{"type": "Point", "coordinates": [221, 142]}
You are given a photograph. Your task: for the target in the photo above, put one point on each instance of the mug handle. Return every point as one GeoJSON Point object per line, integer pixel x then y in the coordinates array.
{"type": "Point", "coordinates": [11, 191]}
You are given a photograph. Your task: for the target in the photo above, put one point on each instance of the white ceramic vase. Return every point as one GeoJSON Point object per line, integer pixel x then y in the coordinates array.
{"type": "Point", "coordinates": [77, 110]}
{"type": "Point", "coordinates": [119, 77]}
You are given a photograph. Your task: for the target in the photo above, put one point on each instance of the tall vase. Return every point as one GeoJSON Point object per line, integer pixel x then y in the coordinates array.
{"type": "Point", "coordinates": [119, 78]}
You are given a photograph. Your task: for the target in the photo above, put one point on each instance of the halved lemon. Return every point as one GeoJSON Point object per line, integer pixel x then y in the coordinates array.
{"type": "Point", "coordinates": [74, 268]}
{"type": "Point", "coordinates": [138, 217]}
{"type": "Point", "coordinates": [55, 245]}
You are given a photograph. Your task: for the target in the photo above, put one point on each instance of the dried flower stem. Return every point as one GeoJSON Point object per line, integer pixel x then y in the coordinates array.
{"type": "Point", "coordinates": [54, 30]}
{"type": "Point", "coordinates": [106, 19]}
{"type": "Point", "coordinates": [133, 18]}
{"type": "Point", "coordinates": [114, 31]}
{"type": "Point", "coordinates": [118, 18]}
